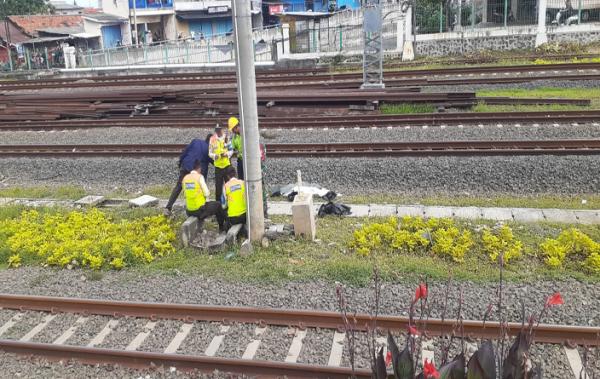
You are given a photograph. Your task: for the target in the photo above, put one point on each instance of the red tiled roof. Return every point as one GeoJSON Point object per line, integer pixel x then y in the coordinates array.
{"type": "Point", "coordinates": [31, 24]}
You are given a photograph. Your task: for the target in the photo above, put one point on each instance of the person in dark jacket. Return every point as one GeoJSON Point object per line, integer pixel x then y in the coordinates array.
{"type": "Point", "coordinates": [197, 150]}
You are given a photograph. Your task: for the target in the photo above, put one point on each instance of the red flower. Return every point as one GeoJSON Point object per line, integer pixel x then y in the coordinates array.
{"type": "Point", "coordinates": [413, 331]}
{"type": "Point", "coordinates": [555, 299]}
{"type": "Point", "coordinates": [429, 370]}
{"type": "Point", "coordinates": [388, 359]}
{"type": "Point", "coordinates": [421, 292]}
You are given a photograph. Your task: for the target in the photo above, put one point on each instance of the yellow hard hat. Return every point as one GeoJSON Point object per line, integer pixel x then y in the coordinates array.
{"type": "Point", "coordinates": [233, 122]}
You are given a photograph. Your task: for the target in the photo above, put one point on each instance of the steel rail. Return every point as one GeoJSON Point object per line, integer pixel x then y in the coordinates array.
{"type": "Point", "coordinates": [140, 360]}
{"type": "Point", "coordinates": [556, 334]}
{"type": "Point", "coordinates": [311, 121]}
{"type": "Point", "coordinates": [391, 77]}
{"type": "Point", "coordinates": [374, 149]}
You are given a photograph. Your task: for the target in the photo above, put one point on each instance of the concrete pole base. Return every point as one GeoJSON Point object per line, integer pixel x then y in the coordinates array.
{"type": "Point", "coordinates": [408, 52]}
{"type": "Point", "coordinates": [540, 39]}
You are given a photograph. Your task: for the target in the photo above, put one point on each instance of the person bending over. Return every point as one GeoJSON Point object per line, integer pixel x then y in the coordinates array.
{"type": "Point", "coordinates": [197, 150]}
{"type": "Point", "coordinates": [196, 195]}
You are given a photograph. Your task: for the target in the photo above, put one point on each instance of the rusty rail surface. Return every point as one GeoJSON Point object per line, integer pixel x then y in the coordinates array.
{"type": "Point", "coordinates": [282, 79]}
{"type": "Point", "coordinates": [141, 360]}
{"type": "Point", "coordinates": [283, 150]}
{"type": "Point", "coordinates": [556, 334]}
{"type": "Point", "coordinates": [312, 121]}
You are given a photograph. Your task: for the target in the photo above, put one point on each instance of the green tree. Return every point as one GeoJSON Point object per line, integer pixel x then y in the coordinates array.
{"type": "Point", "coordinates": [20, 7]}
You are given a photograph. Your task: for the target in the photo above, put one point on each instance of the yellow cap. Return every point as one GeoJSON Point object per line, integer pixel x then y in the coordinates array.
{"type": "Point", "coordinates": [233, 122]}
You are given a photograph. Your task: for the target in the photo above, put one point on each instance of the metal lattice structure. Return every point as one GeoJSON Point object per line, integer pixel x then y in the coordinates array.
{"type": "Point", "coordinates": [373, 45]}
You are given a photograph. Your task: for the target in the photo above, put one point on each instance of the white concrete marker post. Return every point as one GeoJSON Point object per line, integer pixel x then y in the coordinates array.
{"type": "Point", "coordinates": [246, 81]}
{"type": "Point", "coordinates": [541, 37]}
{"type": "Point", "coordinates": [408, 50]}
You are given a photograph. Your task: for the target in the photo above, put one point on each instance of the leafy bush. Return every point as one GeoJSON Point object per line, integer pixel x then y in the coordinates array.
{"type": "Point", "coordinates": [501, 241]}
{"type": "Point", "coordinates": [87, 239]}
{"type": "Point", "coordinates": [413, 234]}
{"type": "Point", "coordinates": [452, 242]}
{"type": "Point", "coordinates": [572, 242]}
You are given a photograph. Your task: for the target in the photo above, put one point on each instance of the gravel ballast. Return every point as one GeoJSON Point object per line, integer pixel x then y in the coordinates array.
{"type": "Point", "coordinates": [500, 130]}
{"type": "Point", "coordinates": [419, 175]}
{"type": "Point", "coordinates": [582, 302]}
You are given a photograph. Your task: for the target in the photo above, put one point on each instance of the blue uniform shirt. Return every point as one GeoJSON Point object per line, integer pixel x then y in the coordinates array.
{"type": "Point", "coordinates": [197, 150]}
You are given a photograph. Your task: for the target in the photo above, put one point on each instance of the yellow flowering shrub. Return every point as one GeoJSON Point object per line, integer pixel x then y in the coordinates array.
{"type": "Point", "coordinates": [412, 234]}
{"type": "Point", "coordinates": [572, 242]}
{"type": "Point", "coordinates": [501, 241]}
{"type": "Point", "coordinates": [14, 261]}
{"type": "Point", "coordinates": [87, 239]}
{"type": "Point", "coordinates": [452, 242]}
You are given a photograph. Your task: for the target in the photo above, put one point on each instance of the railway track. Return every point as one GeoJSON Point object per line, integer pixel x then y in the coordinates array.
{"type": "Point", "coordinates": [460, 75]}
{"type": "Point", "coordinates": [316, 122]}
{"type": "Point", "coordinates": [46, 329]}
{"type": "Point", "coordinates": [283, 150]}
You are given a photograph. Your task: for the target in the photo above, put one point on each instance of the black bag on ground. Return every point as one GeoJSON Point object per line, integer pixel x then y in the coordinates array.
{"type": "Point", "coordinates": [331, 208]}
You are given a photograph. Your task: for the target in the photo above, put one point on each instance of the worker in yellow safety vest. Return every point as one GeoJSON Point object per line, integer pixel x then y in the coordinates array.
{"type": "Point", "coordinates": [196, 195]}
{"type": "Point", "coordinates": [219, 151]}
{"type": "Point", "coordinates": [237, 145]}
{"type": "Point", "coordinates": [234, 198]}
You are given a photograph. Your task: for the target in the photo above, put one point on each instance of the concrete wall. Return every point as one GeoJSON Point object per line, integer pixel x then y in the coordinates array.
{"type": "Point", "coordinates": [170, 27]}
{"type": "Point", "coordinates": [516, 38]}
{"type": "Point", "coordinates": [116, 7]}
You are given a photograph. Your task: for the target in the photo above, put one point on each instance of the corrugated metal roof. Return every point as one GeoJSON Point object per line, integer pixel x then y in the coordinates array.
{"type": "Point", "coordinates": [16, 35]}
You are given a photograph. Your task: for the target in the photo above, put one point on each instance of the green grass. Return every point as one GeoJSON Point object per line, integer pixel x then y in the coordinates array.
{"type": "Point", "coordinates": [330, 259]}
{"type": "Point", "coordinates": [44, 192]}
{"type": "Point", "coordinates": [406, 108]}
{"type": "Point", "coordinates": [592, 94]}
{"type": "Point", "coordinates": [589, 201]}
{"type": "Point", "coordinates": [481, 107]}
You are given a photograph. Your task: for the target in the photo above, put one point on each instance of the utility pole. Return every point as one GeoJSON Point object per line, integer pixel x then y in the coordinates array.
{"type": "Point", "coordinates": [137, 35]}
{"type": "Point", "coordinates": [373, 45]}
{"type": "Point", "coordinates": [246, 81]}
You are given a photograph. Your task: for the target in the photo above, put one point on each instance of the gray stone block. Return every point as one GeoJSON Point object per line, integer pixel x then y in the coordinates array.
{"type": "Point", "coordinates": [471, 213]}
{"type": "Point", "coordinates": [359, 210]}
{"type": "Point", "coordinates": [587, 217]}
{"type": "Point", "coordinates": [189, 230]}
{"type": "Point", "coordinates": [90, 201]}
{"type": "Point", "coordinates": [497, 214]}
{"type": "Point", "coordinates": [438, 212]}
{"type": "Point", "coordinates": [143, 201]}
{"type": "Point", "coordinates": [560, 215]}
{"type": "Point", "coordinates": [527, 215]}
{"type": "Point", "coordinates": [411, 210]}
{"type": "Point", "coordinates": [6, 200]}
{"type": "Point", "coordinates": [233, 232]}
{"type": "Point", "coordinates": [382, 210]}
{"type": "Point", "coordinates": [217, 243]}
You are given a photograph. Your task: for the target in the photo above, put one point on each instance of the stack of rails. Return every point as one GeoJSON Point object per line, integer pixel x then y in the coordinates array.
{"type": "Point", "coordinates": [106, 104]}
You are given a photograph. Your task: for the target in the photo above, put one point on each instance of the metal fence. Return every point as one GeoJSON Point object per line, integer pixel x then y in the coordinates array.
{"type": "Point", "coordinates": [570, 12]}
{"type": "Point", "coordinates": [342, 32]}
{"type": "Point", "coordinates": [180, 52]}
{"type": "Point", "coordinates": [434, 16]}
{"type": "Point", "coordinates": [34, 59]}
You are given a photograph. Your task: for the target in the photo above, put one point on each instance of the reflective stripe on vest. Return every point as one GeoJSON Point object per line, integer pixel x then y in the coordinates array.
{"type": "Point", "coordinates": [236, 197]}
{"type": "Point", "coordinates": [194, 197]}
{"type": "Point", "coordinates": [221, 149]}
